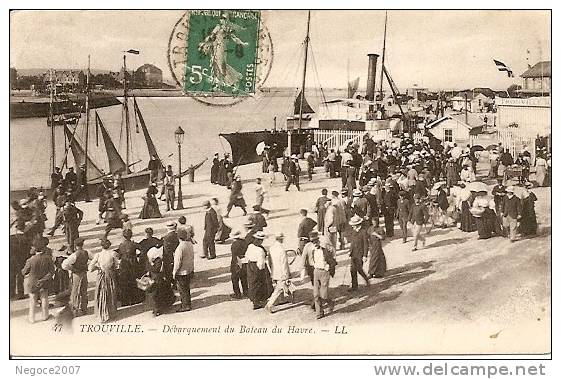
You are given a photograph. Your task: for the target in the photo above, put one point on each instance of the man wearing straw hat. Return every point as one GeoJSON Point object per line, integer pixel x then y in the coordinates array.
{"type": "Point", "coordinates": [358, 251]}
{"type": "Point", "coordinates": [280, 272]}
{"type": "Point", "coordinates": [418, 216]}
{"type": "Point", "coordinates": [324, 266]}
{"type": "Point", "coordinates": [238, 265]}
{"type": "Point", "coordinates": [512, 212]}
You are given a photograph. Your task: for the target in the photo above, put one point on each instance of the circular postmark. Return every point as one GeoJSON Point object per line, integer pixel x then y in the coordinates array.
{"type": "Point", "coordinates": [220, 58]}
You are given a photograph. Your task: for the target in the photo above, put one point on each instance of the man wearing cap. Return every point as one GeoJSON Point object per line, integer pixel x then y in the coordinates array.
{"type": "Point", "coordinates": [403, 210]}
{"type": "Point", "coordinates": [183, 268]}
{"type": "Point", "coordinates": [324, 266]}
{"type": "Point", "coordinates": [389, 199]}
{"type": "Point", "coordinates": [280, 271]}
{"type": "Point", "coordinates": [20, 247]}
{"type": "Point", "coordinates": [512, 213]}
{"type": "Point", "coordinates": [330, 223]}
{"type": "Point", "coordinates": [418, 216]}
{"type": "Point", "coordinates": [170, 242]}
{"type": "Point", "coordinates": [40, 269]}
{"type": "Point", "coordinates": [56, 178]}
{"type": "Point", "coordinates": [70, 178]}
{"type": "Point", "coordinates": [169, 185]}
{"type": "Point", "coordinates": [211, 227]}
{"type": "Point", "coordinates": [77, 263]}
{"type": "Point", "coordinates": [293, 173]}
{"type": "Point", "coordinates": [304, 228]}
{"type": "Point", "coordinates": [72, 217]}
{"type": "Point", "coordinates": [340, 217]}
{"type": "Point", "coordinates": [259, 288]}
{"type": "Point", "coordinates": [82, 183]}
{"type": "Point", "coordinates": [236, 197]}
{"type": "Point", "coordinates": [238, 265]}
{"type": "Point", "coordinates": [358, 251]}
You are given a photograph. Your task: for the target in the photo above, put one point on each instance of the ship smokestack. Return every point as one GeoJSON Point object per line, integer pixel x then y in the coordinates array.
{"type": "Point", "coordinates": [371, 82]}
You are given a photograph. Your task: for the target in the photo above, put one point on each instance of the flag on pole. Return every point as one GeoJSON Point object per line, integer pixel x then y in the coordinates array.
{"type": "Point", "coordinates": [503, 67]}
{"type": "Point", "coordinates": [133, 51]}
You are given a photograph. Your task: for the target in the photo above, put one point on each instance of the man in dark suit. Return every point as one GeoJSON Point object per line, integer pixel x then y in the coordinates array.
{"type": "Point", "coordinates": [389, 198]}
{"type": "Point", "coordinates": [358, 251]}
{"type": "Point", "coordinates": [170, 242]}
{"type": "Point", "coordinates": [20, 247]}
{"type": "Point", "coordinates": [403, 208]}
{"type": "Point", "coordinates": [211, 227]}
{"type": "Point", "coordinates": [56, 178]}
{"type": "Point", "coordinates": [304, 228]}
{"type": "Point", "coordinates": [512, 212]}
{"type": "Point", "coordinates": [293, 173]}
{"type": "Point", "coordinates": [320, 209]}
{"type": "Point", "coordinates": [238, 267]}
{"type": "Point", "coordinates": [71, 179]}
{"type": "Point", "coordinates": [40, 269]}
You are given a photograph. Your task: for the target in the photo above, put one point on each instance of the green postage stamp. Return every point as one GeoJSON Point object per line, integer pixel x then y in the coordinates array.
{"type": "Point", "coordinates": [221, 54]}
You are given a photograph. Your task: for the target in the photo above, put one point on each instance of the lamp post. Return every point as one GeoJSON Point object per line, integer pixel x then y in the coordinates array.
{"type": "Point", "coordinates": [179, 135]}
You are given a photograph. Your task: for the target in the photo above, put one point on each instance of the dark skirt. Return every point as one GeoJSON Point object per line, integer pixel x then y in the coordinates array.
{"type": "Point", "coordinates": [377, 266]}
{"type": "Point", "coordinates": [129, 293]}
{"type": "Point", "coordinates": [259, 283]}
{"type": "Point", "coordinates": [528, 222]}
{"type": "Point", "coordinates": [223, 232]}
{"type": "Point", "coordinates": [150, 209]}
{"type": "Point", "coordinates": [467, 221]}
{"type": "Point", "coordinates": [161, 296]}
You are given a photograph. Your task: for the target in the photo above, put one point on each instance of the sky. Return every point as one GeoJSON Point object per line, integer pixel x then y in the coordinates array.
{"type": "Point", "coordinates": [434, 49]}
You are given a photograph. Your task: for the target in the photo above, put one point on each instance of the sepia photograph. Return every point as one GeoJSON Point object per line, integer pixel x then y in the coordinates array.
{"type": "Point", "coordinates": [263, 183]}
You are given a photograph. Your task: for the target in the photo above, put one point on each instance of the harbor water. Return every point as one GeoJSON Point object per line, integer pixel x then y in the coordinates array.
{"type": "Point", "coordinates": [30, 137]}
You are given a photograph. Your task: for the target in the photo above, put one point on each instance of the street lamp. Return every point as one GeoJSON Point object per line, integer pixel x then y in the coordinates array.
{"type": "Point", "coordinates": [179, 135]}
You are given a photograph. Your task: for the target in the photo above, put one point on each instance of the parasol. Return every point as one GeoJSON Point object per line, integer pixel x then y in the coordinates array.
{"type": "Point", "coordinates": [491, 147]}
{"type": "Point", "coordinates": [260, 148]}
{"type": "Point", "coordinates": [436, 186]}
{"type": "Point", "coordinates": [477, 187]}
{"type": "Point", "coordinates": [521, 192]}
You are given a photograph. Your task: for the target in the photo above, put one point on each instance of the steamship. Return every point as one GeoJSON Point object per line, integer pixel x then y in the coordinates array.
{"type": "Point", "coordinates": [348, 114]}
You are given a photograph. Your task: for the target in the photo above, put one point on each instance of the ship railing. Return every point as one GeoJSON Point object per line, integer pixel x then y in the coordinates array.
{"type": "Point", "coordinates": [336, 139]}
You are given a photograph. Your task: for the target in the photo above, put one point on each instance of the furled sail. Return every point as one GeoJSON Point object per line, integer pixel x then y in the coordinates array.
{"type": "Point", "coordinates": [80, 156]}
{"type": "Point", "coordinates": [149, 143]}
{"type": "Point", "coordinates": [305, 106]}
{"type": "Point", "coordinates": [116, 163]}
{"type": "Point", "coordinates": [352, 86]}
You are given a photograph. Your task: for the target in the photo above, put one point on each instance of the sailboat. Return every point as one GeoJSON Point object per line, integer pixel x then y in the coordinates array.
{"type": "Point", "coordinates": [348, 114]}
{"type": "Point", "coordinates": [94, 174]}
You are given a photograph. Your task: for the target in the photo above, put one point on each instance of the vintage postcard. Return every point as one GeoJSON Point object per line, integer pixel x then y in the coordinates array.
{"type": "Point", "coordinates": [231, 182]}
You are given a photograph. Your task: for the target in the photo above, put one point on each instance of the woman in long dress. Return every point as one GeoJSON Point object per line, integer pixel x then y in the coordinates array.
{"type": "Point", "coordinates": [160, 296]}
{"type": "Point", "coordinates": [150, 208]}
{"type": "Point", "coordinates": [467, 221]}
{"type": "Point", "coordinates": [106, 264]}
{"type": "Point", "coordinates": [528, 222]}
{"type": "Point", "coordinates": [541, 171]}
{"type": "Point", "coordinates": [129, 293]}
{"type": "Point", "coordinates": [377, 266]}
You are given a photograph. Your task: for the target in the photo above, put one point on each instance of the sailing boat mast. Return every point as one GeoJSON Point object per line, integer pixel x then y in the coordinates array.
{"type": "Point", "coordinates": [126, 111]}
{"type": "Point", "coordinates": [52, 125]}
{"type": "Point", "coordinates": [306, 43]}
{"type": "Point", "coordinates": [87, 118]}
{"type": "Point", "coordinates": [383, 61]}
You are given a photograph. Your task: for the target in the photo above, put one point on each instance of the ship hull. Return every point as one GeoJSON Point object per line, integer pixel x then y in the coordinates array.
{"type": "Point", "coordinates": [24, 109]}
{"type": "Point", "coordinates": [244, 144]}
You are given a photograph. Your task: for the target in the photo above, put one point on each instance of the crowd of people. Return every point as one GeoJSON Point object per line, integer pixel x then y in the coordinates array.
{"type": "Point", "coordinates": [415, 185]}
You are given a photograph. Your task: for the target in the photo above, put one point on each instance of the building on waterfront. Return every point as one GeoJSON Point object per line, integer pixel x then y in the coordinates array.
{"type": "Point", "coordinates": [530, 116]}
{"type": "Point", "coordinates": [536, 80]}
{"type": "Point", "coordinates": [453, 128]}
{"type": "Point", "coordinates": [69, 79]}
{"type": "Point", "coordinates": [149, 76]}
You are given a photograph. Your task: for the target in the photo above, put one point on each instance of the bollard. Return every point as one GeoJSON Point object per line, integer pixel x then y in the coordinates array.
{"type": "Point", "coordinates": [191, 174]}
